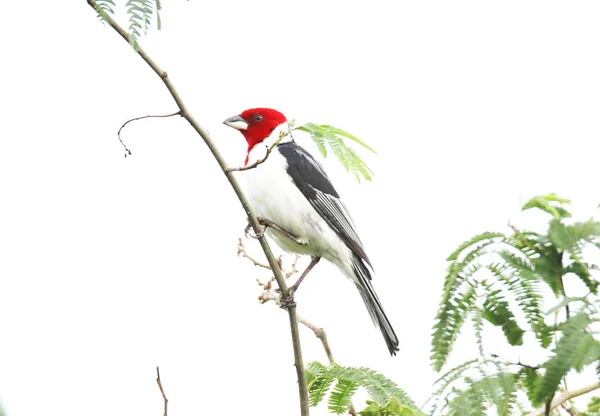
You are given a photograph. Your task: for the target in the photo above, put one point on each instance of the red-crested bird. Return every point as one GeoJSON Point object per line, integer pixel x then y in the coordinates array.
{"type": "Point", "coordinates": [300, 208]}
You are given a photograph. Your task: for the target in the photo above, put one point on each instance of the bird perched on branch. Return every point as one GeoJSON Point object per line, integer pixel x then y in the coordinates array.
{"type": "Point", "coordinates": [300, 209]}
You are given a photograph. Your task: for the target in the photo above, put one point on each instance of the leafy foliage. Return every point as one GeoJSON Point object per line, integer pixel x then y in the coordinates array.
{"type": "Point", "coordinates": [140, 13]}
{"type": "Point", "coordinates": [105, 9]}
{"type": "Point", "coordinates": [328, 136]}
{"type": "Point", "coordinates": [392, 407]}
{"type": "Point", "coordinates": [593, 407]}
{"type": "Point", "coordinates": [387, 397]}
{"type": "Point", "coordinates": [498, 278]}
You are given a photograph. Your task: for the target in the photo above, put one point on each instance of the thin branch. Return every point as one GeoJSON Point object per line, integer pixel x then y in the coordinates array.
{"type": "Point", "coordinates": [162, 391]}
{"type": "Point", "coordinates": [258, 162]}
{"type": "Point", "coordinates": [518, 363]}
{"type": "Point", "coordinates": [565, 396]}
{"type": "Point", "coordinates": [293, 320]}
{"type": "Point", "coordinates": [321, 334]}
{"type": "Point", "coordinates": [127, 151]}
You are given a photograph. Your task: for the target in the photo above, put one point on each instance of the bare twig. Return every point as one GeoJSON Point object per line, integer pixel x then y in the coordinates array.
{"type": "Point", "coordinates": [321, 334]}
{"type": "Point", "coordinates": [293, 320]}
{"type": "Point", "coordinates": [565, 396]}
{"type": "Point", "coordinates": [242, 252]}
{"type": "Point", "coordinates": [519, 363]}
{"type": "Point", "coordinates": [162, 391]}
{"type": "Point", "coordinates": [127, 151]}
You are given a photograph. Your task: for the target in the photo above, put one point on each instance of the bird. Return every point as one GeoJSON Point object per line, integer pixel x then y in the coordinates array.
{"type": "Point", "coordinates": [297, 204]}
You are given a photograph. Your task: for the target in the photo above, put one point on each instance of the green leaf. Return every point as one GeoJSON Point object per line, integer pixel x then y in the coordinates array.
{"type": "Point", "coordinates": [548, 265]}
{"type": "Point", "coordinates": [573, 340]}
{"type": "Point", "coordinates": [560, 235]}
{"type": "Point", "coordinates": [339, 399]}
{"type": "Point", "coordinates": [323, 134]}
{"type": "Point", "coordinates": [497, 312]}
{"type": "Point", "coordinates": [373, 409]}
{"type": "Point", "coordinates": [318, 382]}
{"type": "Point", "coordinates": [582, 271]}
{"type": "Point", "coordinates": [544, 203]}
{"type": "Point", "coordinates": [586, 231]}
{"type": "Point", "coordinates": [480, 237]}
{"type": "Point", "coordinates": [449, 322]}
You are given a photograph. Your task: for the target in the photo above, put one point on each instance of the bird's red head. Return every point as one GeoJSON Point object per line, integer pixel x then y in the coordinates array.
{"type": "Point", "coordinates": [256, 124]}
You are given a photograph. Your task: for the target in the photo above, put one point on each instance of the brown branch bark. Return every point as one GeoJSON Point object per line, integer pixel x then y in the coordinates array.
{"type": "Point", "coordinates": [162, 391]}
{"type": "Point", "coordinates": [293, 320]}
{"type": "Point", "coordinates": [565, 396]}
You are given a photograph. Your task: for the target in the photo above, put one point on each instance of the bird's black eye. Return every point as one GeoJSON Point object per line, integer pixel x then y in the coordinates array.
{"type": "Point", "coordinates": [257, 117]}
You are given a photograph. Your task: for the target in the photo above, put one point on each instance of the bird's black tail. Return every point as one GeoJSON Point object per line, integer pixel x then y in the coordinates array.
{"type": "Point", "coordinates": [367, 292]}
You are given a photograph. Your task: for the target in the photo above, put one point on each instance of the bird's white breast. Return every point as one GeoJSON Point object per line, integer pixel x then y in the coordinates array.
{"type": "Point", "coordinates": [273, 195]}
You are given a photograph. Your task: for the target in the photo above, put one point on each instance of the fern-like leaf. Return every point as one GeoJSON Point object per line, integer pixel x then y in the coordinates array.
{"type": "Point", "coordinates": [497, 312]}
{"type": "Point", "coordinates": [318, 382]}
{"type": "Point", "coordinates": [141, 13]}
{"type": "Point", "coordinates": [105, 9]}
{"type": "Point", "coordinates": [582, 270]}
{"type": "Point", "coordinates": [339, 399]}
{"type": "Point", "coordinates": [574, 336]}
{"type": "Point", "coordinates": [323, 134]}
{"type": "Point", "coordinates": [449, 322]}
{"type": "Point", "coordinates": [487, 236]}
{"type": "Point", "coordinates": [379, 387]}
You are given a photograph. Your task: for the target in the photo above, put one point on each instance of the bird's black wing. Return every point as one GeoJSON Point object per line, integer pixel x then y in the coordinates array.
{"type": "Point", "coordinates": [310, 178]}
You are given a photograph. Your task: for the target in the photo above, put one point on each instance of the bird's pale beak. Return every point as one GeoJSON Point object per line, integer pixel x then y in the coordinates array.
{"type": "Point", "coordinates": [236, 122]}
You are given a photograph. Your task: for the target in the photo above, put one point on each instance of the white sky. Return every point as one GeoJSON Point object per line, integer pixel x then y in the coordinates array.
{"type": "Point", "coordinates": [111, 266]}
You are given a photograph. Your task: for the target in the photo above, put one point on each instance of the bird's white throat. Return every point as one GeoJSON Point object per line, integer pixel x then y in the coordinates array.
{"type": "Point", "coordinates": [259, 151]}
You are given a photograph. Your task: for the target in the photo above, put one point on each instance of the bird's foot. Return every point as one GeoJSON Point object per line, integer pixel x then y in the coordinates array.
{"type": "Point", "coordinates": [264, 223]}
{"type": "Point", "coordinates": [288, 301]}
{"type": "Point", "coordinates": [292, 288]}
{"type": "Point", "coordinates": [259, 234]}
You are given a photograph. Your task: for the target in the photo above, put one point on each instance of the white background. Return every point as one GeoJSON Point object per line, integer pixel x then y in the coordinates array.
{"type": "Point", "coordinates": [110, 266]}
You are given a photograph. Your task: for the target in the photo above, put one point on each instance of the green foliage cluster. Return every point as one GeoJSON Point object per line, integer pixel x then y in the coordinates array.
{"type": "Point", "coordinates": [328, 136]}
{"type": "Point", "coordinates": [593, 407]}
{"type": "Point", "coordinates": [140, 13]}
{"type": "Point", "coordinates": [343, 382]}
{"type": "Point", "coordinates": [497, 278]}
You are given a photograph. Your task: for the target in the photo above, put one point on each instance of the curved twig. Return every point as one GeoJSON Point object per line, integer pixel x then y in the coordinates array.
{"type": "Point", "coordinates": [293, 320]}
{"type": "Point", "coordinates": [127, 151]}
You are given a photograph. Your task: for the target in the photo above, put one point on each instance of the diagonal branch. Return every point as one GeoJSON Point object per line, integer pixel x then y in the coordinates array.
{"type": "Point", "coordinates": [293, 320]}
{"type": "Point", "coordinates": [565, 396]}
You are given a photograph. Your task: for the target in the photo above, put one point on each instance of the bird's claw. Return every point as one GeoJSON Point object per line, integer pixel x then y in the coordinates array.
{"type": "Point", "coordinates": [256, 236]}
{"type": "Point", "coordinates": [292, 289]}
{"type": "Point", "coordinates": [288, 302]}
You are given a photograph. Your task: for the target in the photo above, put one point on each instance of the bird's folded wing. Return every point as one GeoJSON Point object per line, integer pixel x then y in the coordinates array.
{"type": "Point", "coordinates": [310, 178]}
